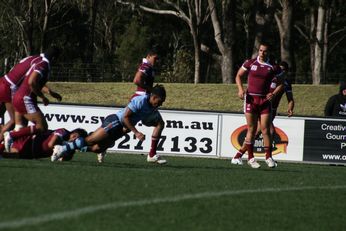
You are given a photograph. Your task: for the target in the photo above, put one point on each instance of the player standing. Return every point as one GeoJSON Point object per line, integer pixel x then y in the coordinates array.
{"type": "Point", "coordinates": [25, 99]}
{"type": "Point", "coordinates": [287, 89]}
{"type": "Point", "coordinates": [257, 101]}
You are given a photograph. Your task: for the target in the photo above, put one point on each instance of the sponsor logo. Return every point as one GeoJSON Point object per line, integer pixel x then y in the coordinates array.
{"type": "Point", "coordinates": [280, 141]}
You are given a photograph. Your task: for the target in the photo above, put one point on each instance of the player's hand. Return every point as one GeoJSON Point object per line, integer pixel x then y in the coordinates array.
{"type": "Point", "coordinates": [241, 94]}
{"type": "Point", "coordinates": [289, 112]}
{"type": "Point", "coordinates": [270, 96]}
{"type": "Point", "coordinates": [140, 136]}
{"type": "Point", "coordinates": [56, 95]}
{"type": "Point", "coordinates": [45, 101]}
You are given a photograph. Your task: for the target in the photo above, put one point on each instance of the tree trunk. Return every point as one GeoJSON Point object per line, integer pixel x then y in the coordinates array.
{"type": "Point", "coordinates": [224, 36]}
{"type": "Point", "coordinates": [30, 26]}
{"type": "Point", "coordinates": [197, 45]}
{"type": "Point", "coordinates": [285, 31]}
{"type": "Point", "coordinates": [227, 67]}
{"type": "Point", "coordinates": [317, 71]}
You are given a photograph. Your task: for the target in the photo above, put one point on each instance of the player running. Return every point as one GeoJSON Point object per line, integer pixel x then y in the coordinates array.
{"type": "Point", "coordinates": [140, 108]}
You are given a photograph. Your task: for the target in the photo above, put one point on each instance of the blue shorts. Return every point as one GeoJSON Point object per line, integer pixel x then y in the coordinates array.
{"type": "Point", "coordinates": [113, 127]}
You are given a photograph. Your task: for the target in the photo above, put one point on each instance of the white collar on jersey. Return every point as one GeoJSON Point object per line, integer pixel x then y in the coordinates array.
{"type": "Point", "coordinates": [44, 58]}
{"type": "Point", "coordinates": [266, 62]}
{"type": "Point", "coordinates": [146, 61]}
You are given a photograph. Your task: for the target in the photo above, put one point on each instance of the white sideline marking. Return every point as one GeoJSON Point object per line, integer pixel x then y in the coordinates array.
{"type": "Point", "coordinates": [115, 205]}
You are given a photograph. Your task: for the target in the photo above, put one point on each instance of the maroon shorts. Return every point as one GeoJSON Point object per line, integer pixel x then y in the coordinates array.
{"type": "Point", "coordinates": [5, 91]}
{"type": "Point", "coordinates": [25, 104]}
{"type": "Point", "coordinates": [257, 105]}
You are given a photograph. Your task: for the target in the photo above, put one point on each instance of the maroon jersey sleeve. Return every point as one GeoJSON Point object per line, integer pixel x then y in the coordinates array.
{"type": "Point", "coordinates": [247, 64]}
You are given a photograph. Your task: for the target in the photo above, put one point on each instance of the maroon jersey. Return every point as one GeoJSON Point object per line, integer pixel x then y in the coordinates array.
{"type": "Point", "coordinates": [148, 71]}
{"type": "Point", "coordinates": [11, 81]}
{"type": "Point", "coordinates": [5, 91]}
{"type": "Point", "coordinates": [24, 100]}
{"type": "Point", "coordinates": [260, 76]}
{"type": "Point", "coordinates": [31, 147]}
{"type": "Point", "coordinates": [16, 75]}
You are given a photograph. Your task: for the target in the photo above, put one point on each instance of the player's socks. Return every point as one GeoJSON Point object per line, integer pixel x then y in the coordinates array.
{"type": "Point", "coordinates": [238, 155]}
{"type": "Point", "coordinates": [2, 147]}
{"type": "Point", "coordinates": [249, 147]}
{"type": "Point", "coordinates": [154, 142]}
{"type": "Point", "coordinates": [26, 131]}
{"type": "Point", "coordinates": [78, 143]}
{"type": "Point", "coordinates": [268, 152]}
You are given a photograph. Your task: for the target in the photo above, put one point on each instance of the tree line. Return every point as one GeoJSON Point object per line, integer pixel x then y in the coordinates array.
{"type": "Point", "coordinates": [199, 41]}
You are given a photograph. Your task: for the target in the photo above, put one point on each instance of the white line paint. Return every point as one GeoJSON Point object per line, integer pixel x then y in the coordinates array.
{"type": "Point", "coordinates": [116, 205]}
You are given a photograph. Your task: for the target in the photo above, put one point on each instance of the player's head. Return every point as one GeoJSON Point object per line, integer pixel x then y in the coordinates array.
{"type": "Point", "coordinates": [152, 56]}
{"type": "Point", "coordinates": [76, 133]}
{"type": "Point", "coordinates": [342, 87]}
{"type": "Point", "coordinates": [263, 51]}
{"type": "Point", "coordinates": [158, 95]}
{"type": "Point", "coordinates": [52, 52]}
{"type": "Point", "coordinates": [284, 65]}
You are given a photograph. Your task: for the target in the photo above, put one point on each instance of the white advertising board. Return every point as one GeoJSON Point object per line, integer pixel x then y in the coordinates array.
{"type": "Point", "coordinates": [288, 141]}
{"type": "Point", "coordinates": [185, 133]}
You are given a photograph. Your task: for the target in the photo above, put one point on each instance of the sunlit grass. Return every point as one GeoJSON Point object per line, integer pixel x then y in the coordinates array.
{"type": "Point", "coordinates": [310, 100]}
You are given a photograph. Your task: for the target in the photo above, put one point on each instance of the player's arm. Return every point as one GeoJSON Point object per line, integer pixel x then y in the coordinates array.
{"type": "Point", "coordinates": [139, 80]}
{"type": "Point", "coordinates": [129, 125]}
{"type": "Point", "coordinates": [52, 93]}
{"type": "Point", "coordinates": [53, 141]}
{"type": "Point", "coordinates": [290, 101]}
{"type": "Point", "coordinates": [34, 83]}
{"type": "Point", "coordinates": [278, 88]}
{"type": "Point", "coordinates": [241, 72]}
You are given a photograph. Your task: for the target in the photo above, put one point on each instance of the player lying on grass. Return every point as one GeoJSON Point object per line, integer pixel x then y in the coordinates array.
{"type": "Point", "coordinates": [141, 108]}
{"type": "Point", "coordinates": [41, 145]}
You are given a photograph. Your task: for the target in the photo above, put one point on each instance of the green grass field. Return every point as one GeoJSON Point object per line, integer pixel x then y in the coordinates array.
{"type": "Point", "coordinates": [310, 100]}
{"type": "Point", "coordinates": [126, 193]}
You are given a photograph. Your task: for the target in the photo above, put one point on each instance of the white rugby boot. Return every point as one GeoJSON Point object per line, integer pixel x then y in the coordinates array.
{"type": "Point", "coordinates": [271, 162]}
{"type": "Point", "coordinates": [101, 157]}
{"type": "Point", "coordinates": [237, 161]}
{"type": "Point", "coordinates": [57, 153]}
{"type": "Point", "coordinates": [156, 159]}
{"type": "Point", "coordinates": [253, 163]}
{"type": "Point", "coordinates": [7, 141]}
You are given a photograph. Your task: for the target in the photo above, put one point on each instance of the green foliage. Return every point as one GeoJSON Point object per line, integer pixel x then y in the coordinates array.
{"type": "Point", "coordinates": [182, 69]}
{"type": "Point", "coordinates": [133, 46]}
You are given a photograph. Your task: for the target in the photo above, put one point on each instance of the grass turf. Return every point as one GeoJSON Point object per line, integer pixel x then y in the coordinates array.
{"type": "Point", "coordinates": [310, 100]}
{"type": "Point", "coordinates": [126, 193]}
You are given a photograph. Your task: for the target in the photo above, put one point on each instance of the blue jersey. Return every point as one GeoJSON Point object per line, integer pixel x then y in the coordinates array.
{"type": "Point", "coordinates": [140, 107]}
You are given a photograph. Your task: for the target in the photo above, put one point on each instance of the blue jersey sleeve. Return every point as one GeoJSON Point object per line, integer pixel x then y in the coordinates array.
{"type": "Point", "coordinates": [136, 103]}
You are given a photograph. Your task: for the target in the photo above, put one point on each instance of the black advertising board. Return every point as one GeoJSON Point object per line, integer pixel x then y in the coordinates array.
{"type": "Point", "coordinates": [325, 141]}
